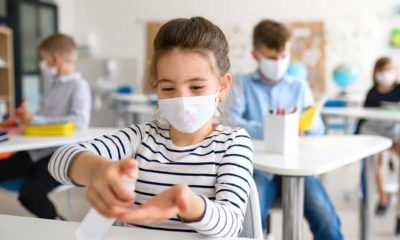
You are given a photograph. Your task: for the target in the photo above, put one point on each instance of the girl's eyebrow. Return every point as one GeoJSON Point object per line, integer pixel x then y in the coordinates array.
{"type": "Point", "coordinates": [197, 79]}
{"type": "Point", "coordinates": [189, 80]}
{"type": "Point", "coordinates": [164, 80]}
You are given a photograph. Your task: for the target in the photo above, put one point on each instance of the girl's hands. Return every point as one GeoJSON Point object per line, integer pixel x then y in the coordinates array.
{"type": "Point", "coordinates": [178, 200]}
{"type": "Point", "coordinates": [107, 192]}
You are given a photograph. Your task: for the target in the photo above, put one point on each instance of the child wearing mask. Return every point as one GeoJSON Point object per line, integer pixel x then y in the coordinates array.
{"type": "Point", "coordinates": [67, 100]}
{"type": "Point", "coordinates": [192, 174]}
{"type": "Point", "coordinates": [385, 89]}
{"type": "Point", "coordinates": [270, 87]}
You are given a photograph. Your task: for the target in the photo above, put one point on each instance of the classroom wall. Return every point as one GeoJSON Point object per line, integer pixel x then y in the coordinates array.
{"type": "Point", "coordinates": [357, 31]}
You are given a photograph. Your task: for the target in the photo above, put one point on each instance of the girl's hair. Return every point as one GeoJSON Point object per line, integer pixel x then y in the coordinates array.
{"type": "Point", "coordinates": [380, 64]}
{"type": "Point", "coordinates": [195, 34]}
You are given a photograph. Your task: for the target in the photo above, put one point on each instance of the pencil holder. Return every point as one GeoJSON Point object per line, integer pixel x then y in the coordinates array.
{"type": "Point", "coordinates": [281, 133]}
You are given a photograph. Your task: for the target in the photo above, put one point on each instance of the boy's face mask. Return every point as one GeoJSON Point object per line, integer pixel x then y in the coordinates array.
{"type": "Point", "coordinates": [188, 114]}
{"type": "Point", "coordinates": [47, 72]}
{"type": "Point", "coordinates": [274, 69]}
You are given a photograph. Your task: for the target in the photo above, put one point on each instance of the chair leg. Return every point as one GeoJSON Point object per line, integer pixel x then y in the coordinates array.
{"type": "Point", "coordinates": [268, 230]}
{"type": "Point", "coordinates": [69, 203]}
{"type": "Point", "coordinates": [268, 224]}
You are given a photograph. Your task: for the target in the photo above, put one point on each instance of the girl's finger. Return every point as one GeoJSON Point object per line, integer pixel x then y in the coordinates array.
{"type": "Point", "coordinates": [121, 190]}
{"type": "Point", "coordinates": [109, 197]}
{"type": "Point", "coordinates": [145, 215]}
{"type": "Point", "coordinates": [97, 203]}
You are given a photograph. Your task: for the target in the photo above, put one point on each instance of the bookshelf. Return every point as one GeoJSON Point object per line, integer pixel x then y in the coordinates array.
{"type": "Point", "coordinates": [6, 68]}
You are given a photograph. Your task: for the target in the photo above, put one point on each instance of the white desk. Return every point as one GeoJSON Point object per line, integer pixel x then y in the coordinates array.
{"type": "Point", "coordinates": [137, 104]}
{"type": "Point", "coordinates": [130, 98]}
{"type": "Point", "coordinates": [319, 155]}
{"type": "Point", "coordinates": [24, 143]}
{"type": "Point", "coordinates": [23, 228]}
{"type": "Point", "coordinates": [366, 113]}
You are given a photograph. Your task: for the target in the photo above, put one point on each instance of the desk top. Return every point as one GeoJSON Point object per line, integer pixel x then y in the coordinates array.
{"type": "Point", "coordinates": [367, 113]}
{"type": "Point", "coordinates": [318, 155]}
{"type": "Point", "coordinates": [24, 143]}
{"type": "Point", "coordinates": [22, 228]}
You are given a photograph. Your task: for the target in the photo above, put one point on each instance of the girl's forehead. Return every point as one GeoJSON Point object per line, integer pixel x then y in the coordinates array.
{"type": "Point", "coordinates": [184, 64]}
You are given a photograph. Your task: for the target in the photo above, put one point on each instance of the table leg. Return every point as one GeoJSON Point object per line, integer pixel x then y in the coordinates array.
{"type": "Point", "coordinates": [367, 202]}
{"type": "Point", "coordinates": [293, 207]}
{"type": "Point", "coordinates": [398, 194]}
{"type": "Point", "coordinates": [347, 124]}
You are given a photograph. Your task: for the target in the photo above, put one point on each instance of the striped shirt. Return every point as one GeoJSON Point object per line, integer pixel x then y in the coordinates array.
{"type": "Point", "coordinates": [218, 169]}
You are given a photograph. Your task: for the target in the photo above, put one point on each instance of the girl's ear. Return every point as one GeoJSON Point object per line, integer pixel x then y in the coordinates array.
{"type": "Point", "coordinates": [225, 85]}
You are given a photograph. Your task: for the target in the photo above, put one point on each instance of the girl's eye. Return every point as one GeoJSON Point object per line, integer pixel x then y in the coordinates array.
{"type": "Point", "coordinates": [167, 89]}
{"type": "Point", "coordinates": [196, 87]}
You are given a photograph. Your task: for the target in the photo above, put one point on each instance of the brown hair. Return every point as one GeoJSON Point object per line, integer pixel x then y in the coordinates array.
{"type": "Point", "coordinates": [271, 34]}
{"type": "Point", "coordinates": [195, 34]}
{"type": "Point", "coordinates": [379, 65]}
{"type": "Point", "coordinates": [59, 43]}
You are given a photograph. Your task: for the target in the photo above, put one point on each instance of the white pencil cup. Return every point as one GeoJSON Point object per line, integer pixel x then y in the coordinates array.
{"type": "Point", "coordinates": [281, 133]}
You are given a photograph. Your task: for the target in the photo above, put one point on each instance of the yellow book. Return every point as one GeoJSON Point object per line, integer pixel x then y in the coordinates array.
{"type": "Point", "coordinates": [307, 117]}
{"type": "Point", "coordinates": [63, 129]}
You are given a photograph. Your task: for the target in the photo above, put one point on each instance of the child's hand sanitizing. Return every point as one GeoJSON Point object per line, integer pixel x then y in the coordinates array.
{"type": "Point", "coordinates": [94, 226]}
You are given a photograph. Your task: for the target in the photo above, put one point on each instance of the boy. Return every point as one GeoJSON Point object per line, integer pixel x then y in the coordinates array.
{"type": "Point", "coordinates": [269, 88]}
{"type": "Point", "coordinates": [67, 100]}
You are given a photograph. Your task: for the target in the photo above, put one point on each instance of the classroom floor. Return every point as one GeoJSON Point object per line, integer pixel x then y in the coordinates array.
{"type": "Point", "coordinates": [338, 183]}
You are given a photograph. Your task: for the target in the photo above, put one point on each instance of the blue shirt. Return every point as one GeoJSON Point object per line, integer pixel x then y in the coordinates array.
{"type": "Point", "coordinates": [252, 97]}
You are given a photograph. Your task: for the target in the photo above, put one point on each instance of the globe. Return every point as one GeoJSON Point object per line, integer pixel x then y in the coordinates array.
{"type": "Point", "coordinates": [345, 75]}
{"type": "Point", "coordinates": [297, 69]}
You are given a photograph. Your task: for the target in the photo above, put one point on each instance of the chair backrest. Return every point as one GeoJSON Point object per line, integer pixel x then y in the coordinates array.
{"type": "Point", "coordinates": [252, 227]}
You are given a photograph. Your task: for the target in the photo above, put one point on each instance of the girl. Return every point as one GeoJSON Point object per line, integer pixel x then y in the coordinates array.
{"type": "Point", "coordinates": [385, 89]}
{"type": "Point", "coordinates": [192, 175]}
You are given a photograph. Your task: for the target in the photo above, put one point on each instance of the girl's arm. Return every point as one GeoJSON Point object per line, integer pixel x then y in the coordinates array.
{"type": "Point", "coordinates": [91, 164]}
{"type": "Point", "coordinates": [224, 216]}
{"type": "Point", "coordinates": [121, 145]}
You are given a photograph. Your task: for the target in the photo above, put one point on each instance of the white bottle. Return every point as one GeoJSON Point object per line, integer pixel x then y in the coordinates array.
{"type": "Point", "coordinates": [94, 226]}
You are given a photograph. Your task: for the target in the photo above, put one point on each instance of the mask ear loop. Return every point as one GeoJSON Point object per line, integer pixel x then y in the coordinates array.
{"type": "Point", "coordinates": [219, 113]}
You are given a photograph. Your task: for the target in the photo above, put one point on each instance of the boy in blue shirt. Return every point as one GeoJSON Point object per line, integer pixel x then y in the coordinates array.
{"type": "Point", "coordinates": [269, 87]}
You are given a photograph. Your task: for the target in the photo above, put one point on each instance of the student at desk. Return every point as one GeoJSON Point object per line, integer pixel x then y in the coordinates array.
{"type": "Point", "coordinates": [385, 89]}
{"type": "Point", "coordinates": [67, 100]}
{"type": "Point", "coordinates": [269, 88]}
{"type": "Point", "coordinates": [192, 172]}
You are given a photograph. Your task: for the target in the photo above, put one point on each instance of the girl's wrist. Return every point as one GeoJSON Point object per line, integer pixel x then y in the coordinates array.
{"type": "Point", "coordinates": [196, 206]}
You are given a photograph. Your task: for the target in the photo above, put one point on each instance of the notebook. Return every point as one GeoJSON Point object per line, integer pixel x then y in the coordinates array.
{"type": "Point", "coordinates": [307, 117]}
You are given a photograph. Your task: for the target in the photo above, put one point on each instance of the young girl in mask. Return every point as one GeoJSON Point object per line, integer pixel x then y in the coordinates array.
{"type": "Point", "coordinates": [192, 174]}
{"type": "Point", "coordinates": [385, 89]}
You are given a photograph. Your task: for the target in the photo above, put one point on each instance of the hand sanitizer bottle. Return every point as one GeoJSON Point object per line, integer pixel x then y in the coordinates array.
{"type": "Point", "coordinates": [94, 226]}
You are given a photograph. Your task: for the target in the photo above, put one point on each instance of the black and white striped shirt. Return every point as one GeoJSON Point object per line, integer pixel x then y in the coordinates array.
{"type": "Point", "coordinates": [218, 169]}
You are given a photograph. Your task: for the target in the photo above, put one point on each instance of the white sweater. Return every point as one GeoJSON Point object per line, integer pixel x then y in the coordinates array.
{"type": "Point", "coordinates": [218, 169]}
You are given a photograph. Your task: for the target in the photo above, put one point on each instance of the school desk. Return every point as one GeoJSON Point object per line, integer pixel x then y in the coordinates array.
{"type": "Point", "coordinates": [318, 155]}
{"type": "Point", "coordinates": [365, 113]}
{"type": "Point", "coordinates": [128, 105]}
{"type": "Point", "coordinates": [25, 143]}
{"type": "Point", "coordinates": [26, 228]}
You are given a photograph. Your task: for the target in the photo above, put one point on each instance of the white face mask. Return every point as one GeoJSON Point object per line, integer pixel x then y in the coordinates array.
{"type": "Point", "coordinates": [274, 69]}
{"type": "Point", "coordinates": [48, 72]}
{"type": "Point", "coordinates": [386, 77]}
{"type": "Point", "coordinates": [188, 114]}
